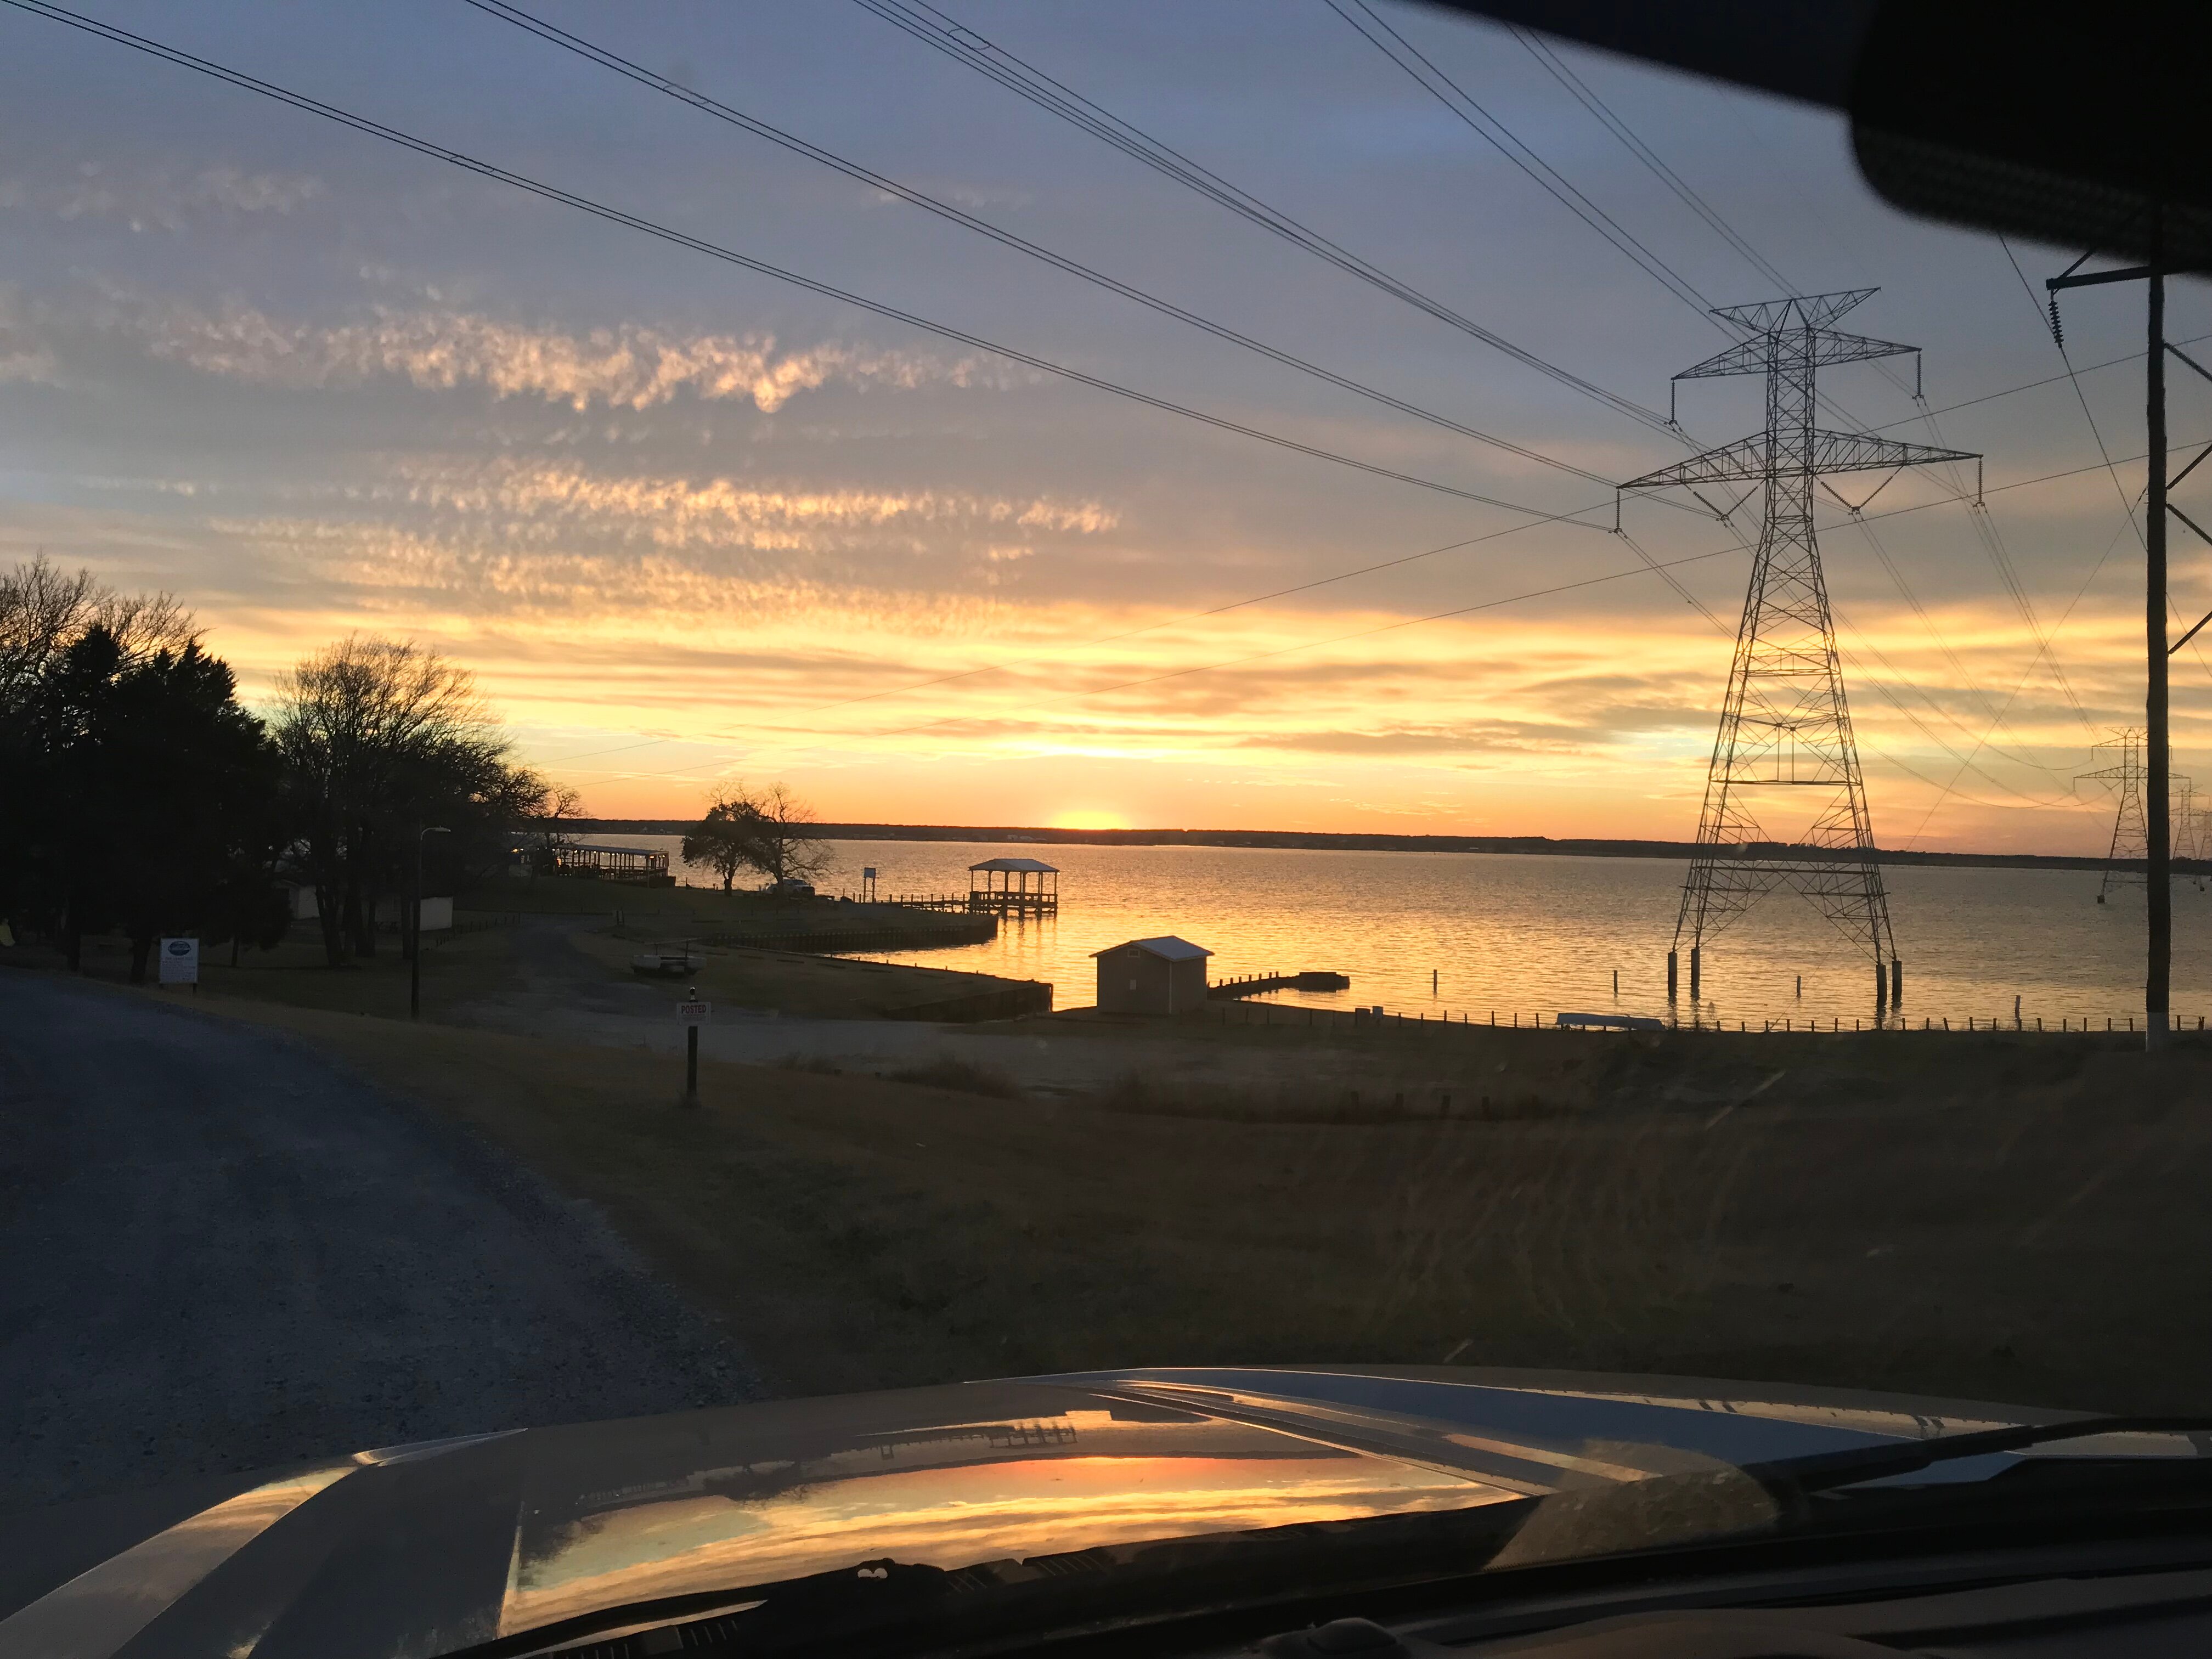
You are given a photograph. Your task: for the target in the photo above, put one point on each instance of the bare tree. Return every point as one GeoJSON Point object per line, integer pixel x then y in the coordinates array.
{"type": "Point", "coordinates": [44, 612]}
{"type": "Point", "coordinates": [786, 847]}
{"type": "Point", "coordinates": [379, 737]}
{"type": "Point", "coordinates": [545, 827]}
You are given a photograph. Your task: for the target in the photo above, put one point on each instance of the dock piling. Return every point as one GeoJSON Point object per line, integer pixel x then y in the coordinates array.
{"type": "Point", "coordinates": [1670, 975]}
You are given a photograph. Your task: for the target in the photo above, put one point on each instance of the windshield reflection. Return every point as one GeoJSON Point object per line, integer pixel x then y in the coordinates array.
{"type": "Point", "coordinates": [948, 1496]}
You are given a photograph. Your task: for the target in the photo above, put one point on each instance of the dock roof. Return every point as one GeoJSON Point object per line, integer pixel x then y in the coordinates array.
{"type": "Point", "coordinates": [1015, 864]}
{"type": "Point", "coordinates": [1167, 946]}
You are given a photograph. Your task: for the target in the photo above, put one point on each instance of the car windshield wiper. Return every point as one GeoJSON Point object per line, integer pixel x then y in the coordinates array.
{"type": "Point", "coordinates": [1827, 1471]}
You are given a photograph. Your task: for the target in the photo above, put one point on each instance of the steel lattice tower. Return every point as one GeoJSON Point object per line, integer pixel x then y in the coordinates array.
{"type": "Point", "coordinates": [2130, 845]}
{"type": "Point", "coordinates": [1785, 723]}
{"type": "Point", "coordinates": [2129, 852]}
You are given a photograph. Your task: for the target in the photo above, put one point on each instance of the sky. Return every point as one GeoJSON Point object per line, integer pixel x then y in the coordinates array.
{"type": "Point", "coordinates": [689, 524]}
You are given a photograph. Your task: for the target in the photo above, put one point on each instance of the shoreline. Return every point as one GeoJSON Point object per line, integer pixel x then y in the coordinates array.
{"type": "Point", "coordinates": [1321, 840]}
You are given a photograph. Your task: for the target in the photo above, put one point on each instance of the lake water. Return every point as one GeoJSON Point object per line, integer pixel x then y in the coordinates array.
{"type": "Point", "coordinates": [1533, 934]}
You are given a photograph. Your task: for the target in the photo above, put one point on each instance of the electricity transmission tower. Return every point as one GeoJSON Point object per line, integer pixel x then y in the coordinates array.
{"type": "Point", "coordinates": [2128, 858]}
{"type": "Point", "coordinates": [2130, 848]}
{"type": "Point", "coordinates": [1785, 725]}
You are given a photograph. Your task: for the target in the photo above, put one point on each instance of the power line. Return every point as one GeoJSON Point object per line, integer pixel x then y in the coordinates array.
{"type": "Point", "coordinates": [1425, 72]}
{"type": "Point", "coordinates": [716, 251]}
{"type": "Point", "coordinates": [1583, 93]}
{"type": "Point", "coordinates": [1580, 90]}
{"type": "Point", "coordinates": [1985, 529]}
{"type": "Point", "coordinates": [1259, 656]}
{"type": "Point", "coordinates": [1967, 680]}
{"type": "Point", "coordinates": [1388, 564]}
{"type": "Point", "coordinates": [1172, 622]}
{"type": "Point", "coordinates": [2079, 594]}
{"type": "Point", "coordinates": [945, 210]}
{"type": "Point", "coordinates": [964, 45]}
{"type": "Point", "coordinates": [1739, 547]}
{"type": "Point", "coordinates": [393, 135]}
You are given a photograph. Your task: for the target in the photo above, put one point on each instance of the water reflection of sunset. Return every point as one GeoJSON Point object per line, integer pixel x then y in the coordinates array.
{"type": "Point", "coordinates": [956, 1514]}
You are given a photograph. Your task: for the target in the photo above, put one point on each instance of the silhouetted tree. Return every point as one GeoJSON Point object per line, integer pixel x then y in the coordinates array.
{"type": "Point", "coordinates": [786, 847]}
{"type": "Point", "coordinates": [65, 640]}
{"type": "Point", "coordinates": [191, 789]}
{"type": "Point", "coordinates": [770, 831]}
{"type": "Point", "coordinates": [725, 840]}
{"type": "Point", "coordinates": [381, 737]}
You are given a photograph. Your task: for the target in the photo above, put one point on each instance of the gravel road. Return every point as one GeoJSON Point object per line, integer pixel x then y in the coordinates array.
{"type": "Point", "coordinates": [224, 1251]}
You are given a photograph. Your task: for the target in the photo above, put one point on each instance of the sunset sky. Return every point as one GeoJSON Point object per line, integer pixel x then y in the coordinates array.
{"type": "Point", "coordinates": [687, 522]}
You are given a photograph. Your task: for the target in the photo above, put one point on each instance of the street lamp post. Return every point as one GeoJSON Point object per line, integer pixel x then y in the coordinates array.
{"type": "Point", "coordinates": [413, 923]}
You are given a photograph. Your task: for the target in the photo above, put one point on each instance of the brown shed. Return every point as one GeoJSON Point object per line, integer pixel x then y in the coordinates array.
{"type": "Point", "coordinates": [1163, 975]}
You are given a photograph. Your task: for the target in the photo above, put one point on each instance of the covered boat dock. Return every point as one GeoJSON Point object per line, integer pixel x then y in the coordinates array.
{"type": "Point", "coordinates": [1020, 887]}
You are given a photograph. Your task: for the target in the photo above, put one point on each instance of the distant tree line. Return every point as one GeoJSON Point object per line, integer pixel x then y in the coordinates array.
{"type": "Point", "coordinates": [140, 797]}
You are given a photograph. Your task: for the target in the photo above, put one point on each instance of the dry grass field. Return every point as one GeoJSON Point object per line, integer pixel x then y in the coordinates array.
{"type": "Point", "coordinates": [801, 983]}
{"type": "Point", "coordinates": [1989, 1216]}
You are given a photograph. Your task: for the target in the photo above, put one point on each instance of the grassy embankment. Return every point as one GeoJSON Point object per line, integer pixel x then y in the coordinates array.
{"type": "Point", "coordinates": [478, 962]}
{"type": "Point", "coordinates": [1991, 1216]}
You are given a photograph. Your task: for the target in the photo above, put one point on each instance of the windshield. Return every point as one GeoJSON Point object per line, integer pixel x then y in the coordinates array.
{"type": "Point", "coordinates": [703, 705]}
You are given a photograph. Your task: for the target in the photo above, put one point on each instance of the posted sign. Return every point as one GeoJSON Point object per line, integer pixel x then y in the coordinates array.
{"type": "Point", "coordinates": [180, 961]}
{"type": "Point", "coordinates": [694, 1014]}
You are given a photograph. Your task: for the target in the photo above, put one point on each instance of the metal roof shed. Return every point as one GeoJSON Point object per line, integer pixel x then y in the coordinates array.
{"type": "Point", "coordinates": [1161, 976]}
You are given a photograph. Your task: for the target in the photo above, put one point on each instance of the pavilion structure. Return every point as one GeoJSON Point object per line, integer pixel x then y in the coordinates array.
{"type": "Point", "coordinates": [1019, 887]}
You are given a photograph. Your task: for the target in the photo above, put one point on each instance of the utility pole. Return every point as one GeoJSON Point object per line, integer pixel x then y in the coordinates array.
{"type": "Point", "coordinates": [1785, 723]}
{"type": "Point", "coordinates": [2158, 867]}
{"type": "Point", "coordinates": [2158, 851]}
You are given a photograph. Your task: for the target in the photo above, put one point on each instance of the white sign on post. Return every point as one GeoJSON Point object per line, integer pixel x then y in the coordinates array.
{"type": "Point", "coordinates": [180, 961]}
{"type": "Point", "coordinates": [694, 1014]}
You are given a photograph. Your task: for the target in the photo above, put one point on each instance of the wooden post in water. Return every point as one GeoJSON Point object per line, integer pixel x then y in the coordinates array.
{"type": "Point", "coordinates": [1670, 975]}
{"type": "Point", "coordinates": [1694, 951]}
{"type": "Point", "coordinates": [1896, 980]}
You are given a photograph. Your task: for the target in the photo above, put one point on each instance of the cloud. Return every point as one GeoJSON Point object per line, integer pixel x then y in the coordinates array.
{"type": "Point", "coordinates": [477, 580]}
{"type": "Point", "coordinates": [681, 512]}
{"type": "Point", "coordinates": [627, 366]}
{"type": "Point", "coordinates": [159, 198]}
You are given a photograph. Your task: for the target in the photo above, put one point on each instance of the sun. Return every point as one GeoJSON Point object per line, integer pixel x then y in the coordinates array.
{"type": "Point", "coordinates": [1087, 818]}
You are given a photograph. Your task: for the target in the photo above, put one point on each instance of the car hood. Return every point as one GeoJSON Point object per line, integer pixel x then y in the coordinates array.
{"type": "Point", "coordinates": [426, 1549]}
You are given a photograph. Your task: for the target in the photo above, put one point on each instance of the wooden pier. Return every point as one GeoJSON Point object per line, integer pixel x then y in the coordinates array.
{"type": "Point", "coordinates": [646, 866]}
{"type": "Point", "coordinates": [1252, 985]}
